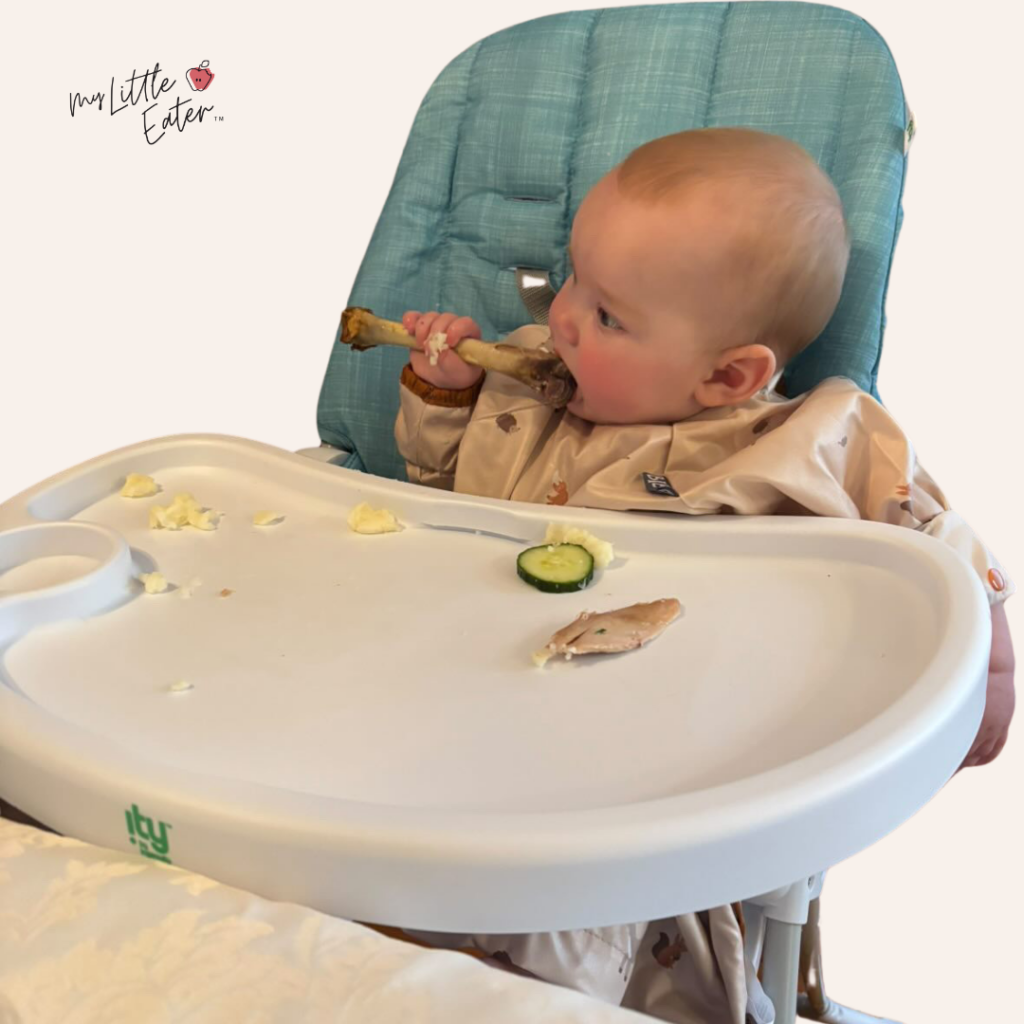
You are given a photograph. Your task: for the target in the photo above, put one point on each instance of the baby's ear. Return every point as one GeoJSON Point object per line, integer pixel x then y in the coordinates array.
{"type": "Point", "coordinates": [738, 374]}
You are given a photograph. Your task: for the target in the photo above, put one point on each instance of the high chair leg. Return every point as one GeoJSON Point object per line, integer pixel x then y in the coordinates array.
{"type": "Point", "coordinates": [779, 967]}
{"type": "Point", "coordinates": [812, 1003]}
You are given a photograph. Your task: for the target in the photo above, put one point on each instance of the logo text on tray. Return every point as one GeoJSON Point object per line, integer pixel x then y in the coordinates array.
{"type": "Point", "coordinates": [159, 114]}
{"type": "Point", "coordinates": [150, 838]}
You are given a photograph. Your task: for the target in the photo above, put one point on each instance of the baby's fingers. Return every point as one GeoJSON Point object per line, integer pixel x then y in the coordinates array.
{"type": "Point", "coordinates": [462, 327]}
{"type": "Point", "coordinates": [430, 324]}
{"type": "Point", "coordinates": [419, 325]}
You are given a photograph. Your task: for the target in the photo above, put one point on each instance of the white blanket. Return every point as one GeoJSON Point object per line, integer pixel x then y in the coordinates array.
{"type": "Point", "coordinates": [93, 936]}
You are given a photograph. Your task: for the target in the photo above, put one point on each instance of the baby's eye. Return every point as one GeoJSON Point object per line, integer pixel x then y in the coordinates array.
{"type": "Point", "coordinates": [607, 320]}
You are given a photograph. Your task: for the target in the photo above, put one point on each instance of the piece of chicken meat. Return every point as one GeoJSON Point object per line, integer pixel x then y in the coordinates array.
{"type": "Point", "coordinates": [610, 632]}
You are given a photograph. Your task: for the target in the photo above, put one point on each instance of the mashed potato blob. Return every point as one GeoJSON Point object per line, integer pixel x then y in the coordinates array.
{"type": "Point", "coordinates": [600, 550]}
{"type": "Point", "coordinates": [137, 485]}
{"type": "Point", "coordinates": [183, 511]}
{"type": "Point", "coordinates": [364, 519]}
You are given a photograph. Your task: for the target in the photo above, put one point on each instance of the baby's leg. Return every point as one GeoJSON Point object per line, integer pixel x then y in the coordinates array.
{"type": "Point", "coordinates": [596, 961]}
{"type": "Point", "coordinates": [692, 969]}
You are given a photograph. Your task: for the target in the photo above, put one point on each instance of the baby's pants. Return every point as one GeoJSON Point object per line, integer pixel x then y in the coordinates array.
{"type": "Point", "coordinates": [689, 969]}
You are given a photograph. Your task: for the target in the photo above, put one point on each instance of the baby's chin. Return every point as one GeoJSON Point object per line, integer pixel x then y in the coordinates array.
{"type": "Point", "coordinates": [601, 417]}
{"type": "Point", "coordinates": [578, 407]}
{"type": "Point", "coordinates": [622, 418]}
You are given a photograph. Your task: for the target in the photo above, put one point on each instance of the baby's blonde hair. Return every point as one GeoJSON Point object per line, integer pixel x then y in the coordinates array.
{"type": "Point", "coordinates": [798, 230]}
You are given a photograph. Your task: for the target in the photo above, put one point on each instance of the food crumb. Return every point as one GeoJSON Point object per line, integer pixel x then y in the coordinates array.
{"type": "Point", "coordinates": [138, 485]}
{"type": "Point", "coordinates": [202, 520]}
{"type": "Point", "coordinates": [154, 582]}
{"type": "Point", "coordinates": [436, 344]}
{"type": "Point", "coordinates": [226, 592]}
{"type": "Point", "coordinates": [180, 686]}
{"type": "Point", "coordinates": [267, 518]}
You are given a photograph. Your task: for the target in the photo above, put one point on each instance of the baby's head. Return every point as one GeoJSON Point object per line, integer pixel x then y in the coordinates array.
{"type": "Point", "coordinates": [702, 264]}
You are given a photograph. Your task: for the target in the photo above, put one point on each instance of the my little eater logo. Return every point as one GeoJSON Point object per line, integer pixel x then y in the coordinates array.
{"type": "Point", "coordinates": [146, 88]}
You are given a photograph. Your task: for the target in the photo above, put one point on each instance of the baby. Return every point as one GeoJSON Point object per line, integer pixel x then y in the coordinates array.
{"type": "Point", "coordinates": [702, 264]}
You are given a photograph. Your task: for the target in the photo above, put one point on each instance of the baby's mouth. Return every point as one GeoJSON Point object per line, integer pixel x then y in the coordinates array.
{"type": "Point", "coordinates": [559, 387]}
{"type": "Point", "coordinates": [563, 388]}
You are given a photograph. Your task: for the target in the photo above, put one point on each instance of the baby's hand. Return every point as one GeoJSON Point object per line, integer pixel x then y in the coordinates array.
{"type": "Point", "coordinates": [995, 724]}
{"type": "Point", "coordinates": [447, 370]}
{"type": "Point", "coordinates": [999, 695]}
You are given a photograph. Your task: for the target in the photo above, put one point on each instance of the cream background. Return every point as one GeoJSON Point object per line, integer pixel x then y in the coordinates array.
{"type": "Point", "coordinates": [137, 278]}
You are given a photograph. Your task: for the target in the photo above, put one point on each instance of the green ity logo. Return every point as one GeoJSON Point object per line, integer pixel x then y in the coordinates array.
{"type": "Point", "coordinates": [152, 843]}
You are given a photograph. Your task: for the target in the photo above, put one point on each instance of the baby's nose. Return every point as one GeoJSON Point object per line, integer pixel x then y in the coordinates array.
{"type": "Point", "coordinates": [562, 322]}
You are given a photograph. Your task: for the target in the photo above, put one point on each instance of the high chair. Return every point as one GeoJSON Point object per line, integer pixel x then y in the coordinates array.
{"type": "Point", "coordinates": [508, 140]}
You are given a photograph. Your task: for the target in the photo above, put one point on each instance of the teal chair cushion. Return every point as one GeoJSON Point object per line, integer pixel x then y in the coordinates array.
{"type": "Point", "coordinates": [517, 128]}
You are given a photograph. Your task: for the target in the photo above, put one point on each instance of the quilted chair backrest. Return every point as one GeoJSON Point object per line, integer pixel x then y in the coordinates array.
{"type": "Point", "coordinates": [517, 128]}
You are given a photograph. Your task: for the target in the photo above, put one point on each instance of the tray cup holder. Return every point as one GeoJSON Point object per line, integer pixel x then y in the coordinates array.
{"type": "Point", "coordinates": [54, 571]}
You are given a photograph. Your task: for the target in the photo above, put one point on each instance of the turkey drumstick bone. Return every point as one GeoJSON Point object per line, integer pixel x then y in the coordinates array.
{"type": "Point", "coordinates": [538, 369]}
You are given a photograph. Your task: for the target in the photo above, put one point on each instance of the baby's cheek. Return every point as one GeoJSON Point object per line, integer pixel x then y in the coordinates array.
{"type": "Point", "coordinates": [596, 375]}
{"type": "Point", "coordinates": [611, 386]}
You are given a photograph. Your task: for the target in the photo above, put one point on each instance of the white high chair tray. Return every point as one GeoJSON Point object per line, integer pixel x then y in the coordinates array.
{"type": "Point", "coordinates": [366, 732]}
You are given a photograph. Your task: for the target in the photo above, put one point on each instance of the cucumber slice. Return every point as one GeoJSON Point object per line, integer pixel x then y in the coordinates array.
{"type": "Point", "coordinates": [556, 568]}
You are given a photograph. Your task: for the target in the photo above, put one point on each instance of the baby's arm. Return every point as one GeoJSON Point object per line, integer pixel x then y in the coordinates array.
{"type": "Point", "coordinates": [950, 528]}
{"type": "Point", "coordinates": [999, 695]}
{"type": "Point", "coordinates": [437, 394]}
{"type": "Point", "coordinates": [889, 485]}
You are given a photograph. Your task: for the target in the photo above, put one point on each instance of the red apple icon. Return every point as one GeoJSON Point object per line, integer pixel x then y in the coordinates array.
{"type": "Point", "coordinates": [201, 77]}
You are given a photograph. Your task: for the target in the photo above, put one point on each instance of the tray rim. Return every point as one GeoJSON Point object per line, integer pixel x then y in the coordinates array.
{"type": "Point", "coordinates": [927, 725]}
